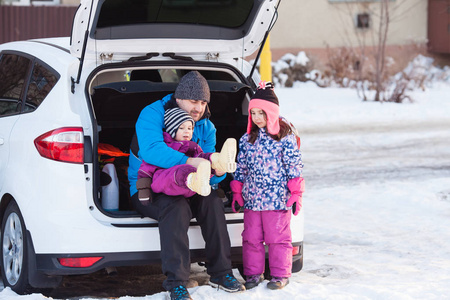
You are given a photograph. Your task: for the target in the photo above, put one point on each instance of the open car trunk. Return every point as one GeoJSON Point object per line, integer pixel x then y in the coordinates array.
{"type": "Point", "coordinates": [117, 106]}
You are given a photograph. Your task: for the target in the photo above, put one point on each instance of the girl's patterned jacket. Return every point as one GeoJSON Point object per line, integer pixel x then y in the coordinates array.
{"type": "Point", "coordinates": [264, 168]}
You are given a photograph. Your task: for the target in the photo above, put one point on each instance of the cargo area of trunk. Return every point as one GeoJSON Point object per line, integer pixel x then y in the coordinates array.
{"type": "Point", "coordinates": [117, 105]}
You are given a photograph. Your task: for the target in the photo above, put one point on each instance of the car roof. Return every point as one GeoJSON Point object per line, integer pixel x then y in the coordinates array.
{"type": "Point", "coordinates": [53, 51]}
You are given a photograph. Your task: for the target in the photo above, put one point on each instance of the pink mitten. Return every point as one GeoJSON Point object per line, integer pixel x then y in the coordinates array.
{"type": "Point", "coordinates": [296, 186]}
{"type": "Point", "coordinates": [236, 188]}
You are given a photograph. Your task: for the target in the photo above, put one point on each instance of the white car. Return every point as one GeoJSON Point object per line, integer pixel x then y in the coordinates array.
{"type": "Point", "coordinates": [63, 98]}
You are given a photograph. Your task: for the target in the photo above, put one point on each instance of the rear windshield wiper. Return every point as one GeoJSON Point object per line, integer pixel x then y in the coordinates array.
{"type": "Point", "coordinates": [174, 56]}
{"type": "Point", "coordinates": [167, 54]}
{"type": "Point", "coordinates": [144, 57]}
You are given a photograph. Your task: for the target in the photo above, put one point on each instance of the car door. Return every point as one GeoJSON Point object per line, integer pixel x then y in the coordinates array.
{"type": "Point", "coordinates": [14, 70]}
{"type": "Point", "coordinates": [6, 125]}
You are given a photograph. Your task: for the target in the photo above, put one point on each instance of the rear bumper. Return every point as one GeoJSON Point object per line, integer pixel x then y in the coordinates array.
{"type": "Point", "coordinates": [49, 265]}
{"type": "Point", "coordinates": [46, 271]}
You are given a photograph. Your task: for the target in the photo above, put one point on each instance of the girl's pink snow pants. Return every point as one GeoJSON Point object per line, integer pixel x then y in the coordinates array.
{"type": "Point", "coordinates": [273, 228]}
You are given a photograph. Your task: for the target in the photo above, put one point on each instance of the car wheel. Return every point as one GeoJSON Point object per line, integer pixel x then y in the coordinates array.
{"type": "Point", "coordinates": [14, 250]}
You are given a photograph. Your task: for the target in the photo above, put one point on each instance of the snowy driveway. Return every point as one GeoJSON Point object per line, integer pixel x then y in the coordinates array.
{"type": "Point", "coordinates": [372, 154]}
{"type": "Point", "coordinates": [377, 210]}
{"type": "Point", "coordinates": [377, 200]}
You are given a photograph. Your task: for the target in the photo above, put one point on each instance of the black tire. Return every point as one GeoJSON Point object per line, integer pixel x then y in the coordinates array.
{"type": "Point", "coordinates": [14, 264]}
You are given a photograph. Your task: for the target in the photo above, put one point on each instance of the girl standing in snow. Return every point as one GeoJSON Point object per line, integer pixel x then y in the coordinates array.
{"type": "Point", "coordinates": [268, 184]}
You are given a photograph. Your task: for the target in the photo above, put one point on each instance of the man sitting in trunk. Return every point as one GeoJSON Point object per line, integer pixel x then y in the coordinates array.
{"type": "Point", "coordinates": [175, 212]}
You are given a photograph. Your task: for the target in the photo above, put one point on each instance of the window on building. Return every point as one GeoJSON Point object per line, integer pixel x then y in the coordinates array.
{"type": "Point", "coordinates": [363, 20]}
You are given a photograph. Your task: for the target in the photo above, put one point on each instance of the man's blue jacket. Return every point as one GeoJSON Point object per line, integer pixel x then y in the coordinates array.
{"type": "Point", "coordinates": [153, 149]}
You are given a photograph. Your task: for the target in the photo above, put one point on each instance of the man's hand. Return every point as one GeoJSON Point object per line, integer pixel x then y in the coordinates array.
{"type": "Point", "coordinates": [219, 173]}
{"type": "Point", "coordinates": [195, 161]}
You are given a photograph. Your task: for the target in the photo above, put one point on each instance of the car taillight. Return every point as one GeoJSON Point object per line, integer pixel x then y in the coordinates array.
{"type": "Point", "coordinates": [295, 250]}
{"type": "Point", "coordinates": [62, 144]}
{"type": "Point", "coordinates": [79, 262]}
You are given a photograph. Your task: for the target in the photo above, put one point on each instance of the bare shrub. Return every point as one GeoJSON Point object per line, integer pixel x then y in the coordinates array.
{"type": "Point", "coordinates": [415, 75]}
{"type": "Point", "coordinates": [291, 68]}
{"type": "Point", "coordinates": [343, 65]}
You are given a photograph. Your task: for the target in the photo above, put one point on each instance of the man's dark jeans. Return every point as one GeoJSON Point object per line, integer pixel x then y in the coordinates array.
{"type": "Point", "coordinates": [174, 214]}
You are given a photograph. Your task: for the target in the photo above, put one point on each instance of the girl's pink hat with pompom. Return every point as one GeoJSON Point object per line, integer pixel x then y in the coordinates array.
{"type": "Point", "coordinates": [265, 99]}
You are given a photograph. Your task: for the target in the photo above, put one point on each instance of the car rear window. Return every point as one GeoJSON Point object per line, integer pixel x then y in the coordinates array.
{"type": "Point", "coordinates": [13, 76]}
{"type": "Point", "coordinates": [41, 83]}
{"type": "Point", "coordinates": [223, 13]}
{"type": "Point", "coordinates": [16, 83]}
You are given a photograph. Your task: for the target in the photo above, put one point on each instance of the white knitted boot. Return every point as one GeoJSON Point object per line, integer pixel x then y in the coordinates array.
{"type": "Point", "coordinates": [199, 181]}
{"type": "Point", "coordinates": [225, 161]}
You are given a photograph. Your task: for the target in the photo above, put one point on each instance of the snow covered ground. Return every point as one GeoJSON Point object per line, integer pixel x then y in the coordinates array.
{"type": "Point", "coordinates": [377, 201]}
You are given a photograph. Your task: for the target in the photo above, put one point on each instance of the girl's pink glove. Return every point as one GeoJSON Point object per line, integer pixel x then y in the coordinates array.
{"type": "Point", "coordinates": [236, 188]}
{"type": "Point", "coordinates": [296, 186]}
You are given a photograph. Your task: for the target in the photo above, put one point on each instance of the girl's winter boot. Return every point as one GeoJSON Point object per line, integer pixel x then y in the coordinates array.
{"type": "Point", "coordinates": [253, 281]}
{"type": "Point", "coordinates": [277, 283]}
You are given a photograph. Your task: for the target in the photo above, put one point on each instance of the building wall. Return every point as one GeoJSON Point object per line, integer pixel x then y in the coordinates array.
{"type": "Point", "coordinates": [40, 2]}
{"type": "Point", "coordinates": [439, 26]}
{"type": "Point", "coordinates": [322, 23]}
{"type": "Point", "coordinates": [30, 22]}
{"type": "Point", "coordinates": [70, 2]}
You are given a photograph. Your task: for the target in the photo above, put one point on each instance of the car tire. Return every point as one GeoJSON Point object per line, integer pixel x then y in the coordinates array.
{"type": "Point", "coordinates": [14, 250]}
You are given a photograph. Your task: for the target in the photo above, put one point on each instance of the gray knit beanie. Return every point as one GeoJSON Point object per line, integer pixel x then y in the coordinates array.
{"type": "Point", "coordinates": [193, 86]}
{"type": "Point", "coordinates": [173, 118]}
